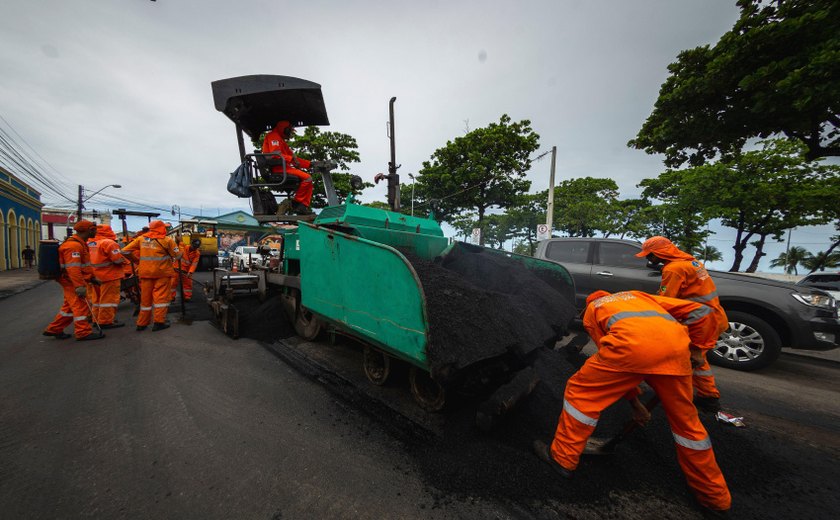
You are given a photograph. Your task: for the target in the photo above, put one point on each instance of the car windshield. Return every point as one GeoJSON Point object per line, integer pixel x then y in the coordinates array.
{"type": "Point", "coordinates": [249, 250]}
{"type": "Point", "coordinates": [828, 280]}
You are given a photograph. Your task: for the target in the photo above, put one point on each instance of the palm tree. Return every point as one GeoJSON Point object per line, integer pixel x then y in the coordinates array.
{"type": "Point", "coordinates": [792, 258]}
{"type": "Point", "coordinates": [820, 261]}
{"type": "Point", "coordinates": [707, 254]}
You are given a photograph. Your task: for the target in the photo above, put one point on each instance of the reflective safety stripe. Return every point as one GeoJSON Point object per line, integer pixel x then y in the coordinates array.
{"type": "Point", "coordinates": [79, 318]}
{"type": "Point", "coordinates": [637, 314]}
{"type": "Point", "coordinates": [104, 264]}
{"type": "Point", "coordinates": [705, 298]}
{"type": "Point", "coordinates": [154, 258]}
{"type": "Point", "coordinates": [159, 305]}
{"type": "Point", "coordinates": [66, 314]}
{"type": "Point", "coordinates": [702, 372]}
{"type": "Point", "coordinates": [72, 264]}
{"type": "Point", "coordinates": [705, 444]}
{"type": "Point", "coordinates": [95, 305]}
{"type": "Point", "coordinates": [108, 305]}
{"type": "Point", "coordinates": [145, 308]}
{"type": "Point", "coordinates": [697, 315]}
{"type": "Point", "coordinates": [118, 261]}
{"type": "Point", "coordinates": [577, 414]}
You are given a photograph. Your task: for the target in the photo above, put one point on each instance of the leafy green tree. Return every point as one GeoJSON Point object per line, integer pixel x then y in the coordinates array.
{"type": "Point", "coordinates": [707, 254]}
{"type": "Point", "coordinates": [583, 206]}
{"type": "Point", "coordinates": [777, 71]}
{"type": "Point", "coordinates": [625, 218]}
{"type": "Point", "coordinates": [478, 171]}
{"type": "Point", "coordinates": [342, 149]}
{"type": "Point", "coordinates": [758, 193]}
{"type": "Point", "coordinates": [825, 256]}
{"type": "Point", "coordinates": [524, 217]}
{"type": "Point", "coordinates": [791, 259]}
{"type": "Point", "coordinates": [678, 220]}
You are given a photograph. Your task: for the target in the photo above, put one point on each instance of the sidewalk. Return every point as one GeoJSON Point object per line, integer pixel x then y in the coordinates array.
{"type": "Point", "coordinates": [16, 281]}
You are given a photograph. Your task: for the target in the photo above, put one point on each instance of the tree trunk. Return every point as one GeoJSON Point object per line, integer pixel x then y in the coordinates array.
{"type": "Point", "coordinates": [759, 252]}
{"type": "Point", "coordinates": [739, 245]}
{"type": "Point", "coordinates": [821, 265]}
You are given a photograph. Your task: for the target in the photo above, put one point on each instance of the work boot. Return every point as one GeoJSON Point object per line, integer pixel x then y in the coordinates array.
{"type": "Point", "coordinates": [544, 454]}
{"type": "Point", "coordinates": [56, 335]}
{"type": "Point", "coordinates": [161, 326]}
{"type": "Point", "coordinates": [707, 404]}
{"type": "Point", "coordinates": [91, 336]}
{"type": "Point", "coordinates": [284, 207]}
{"type": "Point", "coordinates": [114, 325]}
{"type": "Point", "coordinates": [301, 209]}
{"type": "Point", "coordinates": [141, 327]}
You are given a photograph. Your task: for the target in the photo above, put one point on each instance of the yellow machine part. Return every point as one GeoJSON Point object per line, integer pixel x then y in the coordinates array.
{"type": "Point", "coordinates": [209, 245]}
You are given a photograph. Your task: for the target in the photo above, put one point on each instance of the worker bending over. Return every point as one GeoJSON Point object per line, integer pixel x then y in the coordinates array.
{"type": "Point", "coordinates": [640, 337]}
{"type": "Point", "coordinates": [76, 272]}
{"type": "Point", "coordinates": [275, 141]}
{"type": "Point", "coordinates": [683, 276]}
{"type": "Point", "coordinates": [154, 253]}
{"type": "Point", "coordinates": [185, 267]}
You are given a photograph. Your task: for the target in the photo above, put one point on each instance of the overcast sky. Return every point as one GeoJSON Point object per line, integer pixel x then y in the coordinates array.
{"type": "Point", "coordinates": [118, 91]}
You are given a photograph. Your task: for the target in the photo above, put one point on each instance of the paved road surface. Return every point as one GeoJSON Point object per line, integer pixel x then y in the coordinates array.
{"type": "Point", "coordinates": [186, 423]}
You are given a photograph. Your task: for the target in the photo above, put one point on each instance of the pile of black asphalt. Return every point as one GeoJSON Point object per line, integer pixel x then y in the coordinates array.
{"type": "Point", "coordinates": [481, 305]}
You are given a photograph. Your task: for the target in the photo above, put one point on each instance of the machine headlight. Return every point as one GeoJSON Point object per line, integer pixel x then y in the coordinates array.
{"type": "Point", "coordinates": [823, 301]}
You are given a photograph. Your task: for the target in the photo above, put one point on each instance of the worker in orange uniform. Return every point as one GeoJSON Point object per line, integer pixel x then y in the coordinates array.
{"type": "Point", "coordinates": [107, 263]}
{"type": "Point", "coordinates": [683, 276]}
{"type": "Point", "coordinates": [76, 272]}
{"type": "Point", "coordinates": [275, 141]}
{"type": "Point", "coordinates": [641, 337]}
{"type": "Point", "coordinates": [154, 253]}
{"type": "Point", "coordinates": [185, 267]}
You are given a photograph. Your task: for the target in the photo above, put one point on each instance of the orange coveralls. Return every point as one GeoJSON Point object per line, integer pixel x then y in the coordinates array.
{"type": "Point", "coordinates": [274, 142]}
{"type": "Point", "coordinates": [108, 264]}
{"type": "Point", "coordinates": [641, 337]}
{"type": "Point", "coordinates": [187, 264]}
{"type": "Point", "coordinates": [685, 277]}
{"type": "Point", "coordinates": [75, 272]}
{"type": "Point", "coordinates": [156, 251]}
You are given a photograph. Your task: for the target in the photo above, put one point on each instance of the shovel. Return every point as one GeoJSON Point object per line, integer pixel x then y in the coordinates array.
{"type": "Point", "coordinates": [607, 446]}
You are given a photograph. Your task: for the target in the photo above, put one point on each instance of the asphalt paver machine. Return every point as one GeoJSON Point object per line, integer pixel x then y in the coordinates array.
{"type": "Point", "coordinates": [356, 270]}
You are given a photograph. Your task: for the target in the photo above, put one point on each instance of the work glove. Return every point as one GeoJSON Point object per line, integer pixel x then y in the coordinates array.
{"type": "Point", "coordinates": [697, 358]}
{"type": "Point", "coordinates": [81, 291]}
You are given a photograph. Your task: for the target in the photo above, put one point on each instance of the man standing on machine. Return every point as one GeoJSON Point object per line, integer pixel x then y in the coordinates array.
{"type": "Point", "coordinates": [275, 141]}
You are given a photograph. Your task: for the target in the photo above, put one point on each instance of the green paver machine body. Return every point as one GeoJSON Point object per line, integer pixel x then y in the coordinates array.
{"type": "Point", "coordinates": [354, 276]}
{"type": "Point", "coordinates": [346, 268]}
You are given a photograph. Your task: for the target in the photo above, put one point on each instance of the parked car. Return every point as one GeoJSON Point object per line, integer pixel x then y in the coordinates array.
{"type": "Point", "coordinates": [224, 259]}
{"type": "Point", "coordinates": [764, 314]}
{"type": "Point", "coordinates": [828, 282]}
{"type": "Point", "coordinates": [243, 256]}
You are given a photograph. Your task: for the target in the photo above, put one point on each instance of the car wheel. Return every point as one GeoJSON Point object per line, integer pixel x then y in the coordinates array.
{"type": "Point", "coordinates": [750, 343]}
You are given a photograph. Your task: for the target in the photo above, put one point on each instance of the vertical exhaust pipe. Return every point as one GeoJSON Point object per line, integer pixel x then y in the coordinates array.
{"type": "Point", "coordinates": [393, 178]}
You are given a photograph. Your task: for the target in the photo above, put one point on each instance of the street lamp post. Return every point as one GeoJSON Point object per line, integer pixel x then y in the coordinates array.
{"type": "Point", "coordinates": [412, 192]}
{"type": "Point", "coordinates": [82, 199]}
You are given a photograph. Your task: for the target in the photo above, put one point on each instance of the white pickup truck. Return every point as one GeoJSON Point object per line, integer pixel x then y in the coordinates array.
{"type": "Point", "coordinates": [243, 256]}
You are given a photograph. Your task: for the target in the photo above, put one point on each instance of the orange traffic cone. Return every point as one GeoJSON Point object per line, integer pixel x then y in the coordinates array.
{"type": "Point", "coordinates": [234, 268]}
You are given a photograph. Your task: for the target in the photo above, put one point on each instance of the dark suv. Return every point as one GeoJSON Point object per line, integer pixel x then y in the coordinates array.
{"type": "Point", "coordinates": [764, 314]}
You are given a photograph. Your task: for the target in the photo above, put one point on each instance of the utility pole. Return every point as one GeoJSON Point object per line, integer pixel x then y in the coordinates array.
{"type": "Point", "coordinates": [549, 217]}
{"type": "Point", "coordinates": [81, 204]}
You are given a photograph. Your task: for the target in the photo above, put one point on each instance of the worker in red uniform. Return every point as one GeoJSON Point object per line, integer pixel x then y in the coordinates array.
{"type": "Point", "coordinates": [185, 267]}
{"type": "Point", "coordinates": [683, 276]}
{"type": "Point", "coordinates": [154, 253]}
{"type": "Point", "coordinates": [641, 337]}
{"type": "Point", "coordinates": [275, 141]}
{"type": "Point", "coordinates": [75, 273]}
{"type": "Point", "coordinates": [107, 263]}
